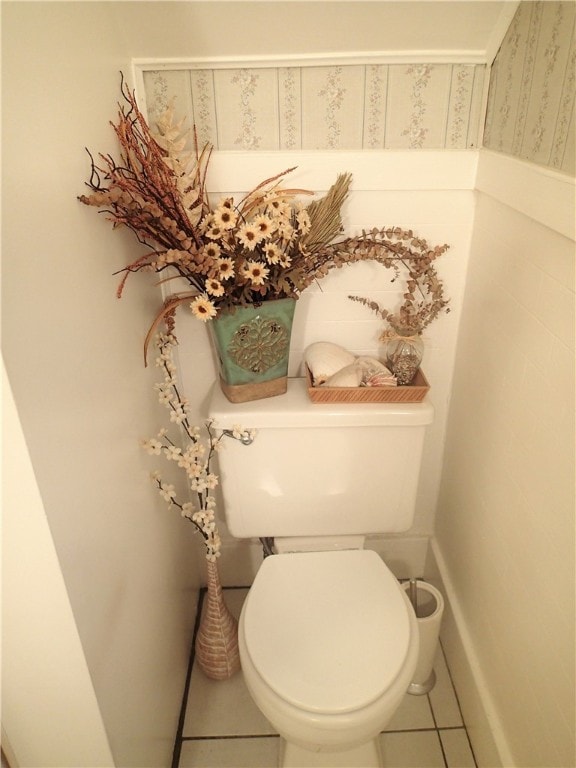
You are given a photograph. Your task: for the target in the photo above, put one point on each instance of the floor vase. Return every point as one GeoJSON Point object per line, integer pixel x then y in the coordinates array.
{"type": "Point", "coordinates": [216, 646]}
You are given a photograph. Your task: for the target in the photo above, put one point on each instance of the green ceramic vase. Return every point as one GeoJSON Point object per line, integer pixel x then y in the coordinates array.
{"type": "Point", "coordinates": [253, 345]}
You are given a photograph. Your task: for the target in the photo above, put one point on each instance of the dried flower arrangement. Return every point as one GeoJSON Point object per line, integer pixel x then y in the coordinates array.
{"type": "Point", "coordinates": [264, 247]}
{"type": "Point", "coordinates": [267, 246]}
{"type": "Point", "coordinates": [190, 451]}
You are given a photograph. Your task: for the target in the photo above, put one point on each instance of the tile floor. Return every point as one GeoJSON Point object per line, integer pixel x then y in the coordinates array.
{"type": "Point", "coordinates": [220, 727]}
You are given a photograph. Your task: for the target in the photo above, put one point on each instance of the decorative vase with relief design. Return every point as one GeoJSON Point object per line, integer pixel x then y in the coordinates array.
{"type": "Point", "coordinates": [253, 345]}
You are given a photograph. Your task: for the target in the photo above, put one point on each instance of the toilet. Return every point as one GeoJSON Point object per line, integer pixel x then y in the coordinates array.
{"type": "Point", "coordinates": [328, 639]}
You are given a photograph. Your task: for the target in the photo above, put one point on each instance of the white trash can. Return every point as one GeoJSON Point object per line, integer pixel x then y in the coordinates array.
{"type": "Point", "coordinates": [429, 609]}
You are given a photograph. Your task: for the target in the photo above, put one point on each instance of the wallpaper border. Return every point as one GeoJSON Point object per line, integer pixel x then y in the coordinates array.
{"type": "Point", "coordinates": [321, 102]}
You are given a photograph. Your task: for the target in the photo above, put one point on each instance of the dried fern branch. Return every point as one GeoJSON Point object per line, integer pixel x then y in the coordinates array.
{"type": "Point", "coordinates": [325, 216]}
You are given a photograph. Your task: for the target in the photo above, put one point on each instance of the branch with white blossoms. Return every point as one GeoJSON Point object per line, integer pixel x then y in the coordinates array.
{"type": "Point", "coordinates": [191, 452]}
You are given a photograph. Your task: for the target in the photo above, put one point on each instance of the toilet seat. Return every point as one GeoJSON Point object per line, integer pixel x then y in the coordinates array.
{"type": "Point", "coordinates": [354, 609]}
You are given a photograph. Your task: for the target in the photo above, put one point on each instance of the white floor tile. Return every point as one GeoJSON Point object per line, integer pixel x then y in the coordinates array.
{"type": "Point", "coordinates": [457, 748]}
{"type": "Point", "coordinates": [412, 749]}
{"type": "Point", "coordinates": [222, 708]}
{"type": "Point", "coordinates": [414, 713]}
{"type": "Point", "coordinates": [230, 753]}
{"type": "Point", "coordinates": [225, 729]}
{"type": "Point", "coordinates": [442, 696]}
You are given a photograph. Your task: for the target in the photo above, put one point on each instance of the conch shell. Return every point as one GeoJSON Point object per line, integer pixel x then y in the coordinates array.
{"type": "Point", "coordinates": [324, 359]}
{"type": "Point", "coordinates": [349, 376]}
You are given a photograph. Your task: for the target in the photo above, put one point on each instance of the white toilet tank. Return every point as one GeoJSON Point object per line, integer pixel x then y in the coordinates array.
{"type": "Point", "coordinates": [319, 469]}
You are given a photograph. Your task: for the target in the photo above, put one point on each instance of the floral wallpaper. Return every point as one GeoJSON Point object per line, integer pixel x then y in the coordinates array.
{"type": "Point", "coordinates": [532, 85]}
{"type": "Point", "coordinates": [348, 106]}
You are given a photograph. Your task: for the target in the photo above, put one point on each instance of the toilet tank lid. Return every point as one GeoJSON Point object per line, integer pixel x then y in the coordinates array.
{"type": "Point", "coordinates": [295, 409]}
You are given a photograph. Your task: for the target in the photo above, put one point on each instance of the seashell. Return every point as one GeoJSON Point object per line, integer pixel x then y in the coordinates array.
{"type": "Point", "coordinates": [349, 376]}
{"type": "Point", "coordinates": [381, 380]}
{"type": "Point", "coordinates": [324, 359]}
{"type": "Point", "coordinates": [371, 366]}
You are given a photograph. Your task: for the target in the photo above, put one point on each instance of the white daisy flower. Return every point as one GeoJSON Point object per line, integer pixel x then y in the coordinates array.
{"type": "Point", "coordinates": [225, 216]}
{"type": "Point", "coordinates": [285, 230]}
{"type": "Point", "coordinates": [249, 236]}
{"type": "Point", "coordinates": [277, 206]}
{"type": "Point", "coordinates": [256, 272]}
{"type": "Point", "coordinates": [214, 287]}
{"type": "Point", "coordinates": [211, 250]}
{"type": "Point", "coordinates": [303, 219]}
{"type": "Point", "coordinates": [264, 225]}
{"type": "Point", "coordinates": [225, 268]}
{"type": "Point", "coordinates": [215, 232]}
{"type": "Point", "coordinates": [202, 308]}
{"type": "Point", "coordinates": [272, 253]}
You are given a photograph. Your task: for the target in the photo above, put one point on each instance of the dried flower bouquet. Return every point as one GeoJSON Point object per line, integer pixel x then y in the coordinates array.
{"type": "Point", "coordinates": [268, 245]}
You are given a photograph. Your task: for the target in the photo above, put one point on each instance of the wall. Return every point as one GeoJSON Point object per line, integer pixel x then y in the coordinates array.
{"type": "Point", "coordinates": [505, 526]}
{"type": "Point", "coordinates": [504, 544]}
{"type": "Point", "coordinates": [73, 352]}
{"type": "Point", "coordinates": [41, 649]}
{"type": "Point", "coordinates": [530, 111]}
{"type": "Point", "coordinates": [294, 106]}
{"type": "Point", "coordinates": [74, 360]}
{"type": "Point", "coordinates": [429, 192]}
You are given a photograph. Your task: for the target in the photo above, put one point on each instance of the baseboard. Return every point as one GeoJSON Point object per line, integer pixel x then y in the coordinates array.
{"type": "Point", "coordinates": [480, 716]}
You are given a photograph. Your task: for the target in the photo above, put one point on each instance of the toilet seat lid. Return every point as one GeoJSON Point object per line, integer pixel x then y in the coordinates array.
{"type": "Point", "coordinates": [353, 608]}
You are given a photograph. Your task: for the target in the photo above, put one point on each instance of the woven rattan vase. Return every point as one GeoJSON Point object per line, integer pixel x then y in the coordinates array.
{"type": "Point", "coordinates": [217, 638]}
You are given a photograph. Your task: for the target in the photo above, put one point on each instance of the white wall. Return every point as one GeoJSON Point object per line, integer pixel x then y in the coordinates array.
{"type": "Point", "coordinates": [73, 352]}
{"type": "Point", "coordinates": [41, 649]}
{"type": "Point", "coordinates": [504, 546]}
{"type": "Point", "coordinates": [429, 192]}
{"type": "Point", "coordinates": [73, 355]}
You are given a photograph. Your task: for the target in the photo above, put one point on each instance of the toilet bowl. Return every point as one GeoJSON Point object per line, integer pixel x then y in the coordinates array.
{"type": "Point", "coordinates": [328, 640]}
{"type": "Point", "coordinates": [328, 644]}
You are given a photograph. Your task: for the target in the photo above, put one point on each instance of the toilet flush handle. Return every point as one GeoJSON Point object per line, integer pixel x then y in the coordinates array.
{"type": "Point", "coordinates": [245, 436]}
